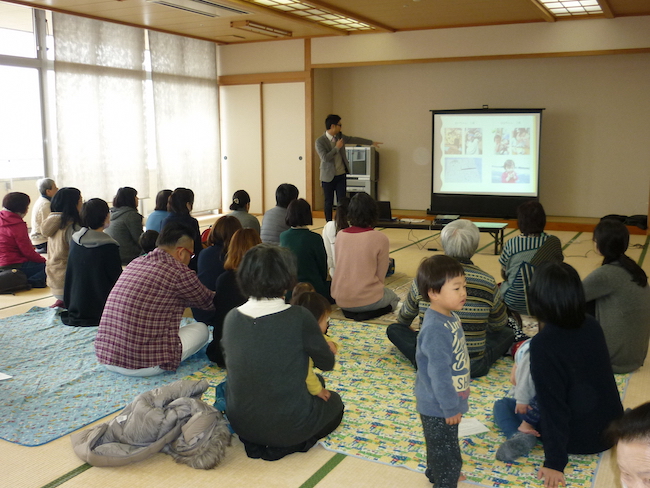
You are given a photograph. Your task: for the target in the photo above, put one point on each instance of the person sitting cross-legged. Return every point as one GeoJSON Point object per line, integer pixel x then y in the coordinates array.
{"type": "Point", "coordinates": [484, 315]}
{"type": "Point", "coordinates": [139, 333]}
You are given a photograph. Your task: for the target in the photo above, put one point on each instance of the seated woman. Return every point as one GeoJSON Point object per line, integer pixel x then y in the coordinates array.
{"type": "Point", "coordinates": [16, 249]}
{"type": "Point", "coordinates": [211, 260]}
{"type": "Point", "coordinates": [241, 204]}
{"type": "Point", "coordinates": [307, 246]}
{"type": "Point", "coordinates": [228, 295]}
{"type": "Point", "coordinates": [180, 205]}
{"type": "Point", "coordinates": [160, 213]}
{"type": "Point", "coordinates": [58, 228]}
{"type": "Point", "coordinates": [484, 316]}
{"type": "Point", "coordinates": [619, 296]}
{"type": "Point", "coordinates": [523, 253]}
{"type": "Point", "coordinates": [362, 261]}
{"type": "Point", "coordinates": [94, 265]}
{"type": "Point", "coordinates": [126, 224]}
{"type": "Point", "coordinates": [213, 256]}
{"type": "Point", "coordinates": [569, 363]}
{"type": "Point", "coordinates": [331, 230]}
{"type": "Point", "coordinates": [267, 345]}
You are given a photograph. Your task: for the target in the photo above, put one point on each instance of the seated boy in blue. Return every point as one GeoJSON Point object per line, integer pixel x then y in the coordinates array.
{"type": "Point", "coordinates": [442, 382]}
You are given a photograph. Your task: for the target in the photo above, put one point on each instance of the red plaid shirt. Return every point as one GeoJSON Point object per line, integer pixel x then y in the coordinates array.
{"type": "Point", "coordinates": [139, 326]}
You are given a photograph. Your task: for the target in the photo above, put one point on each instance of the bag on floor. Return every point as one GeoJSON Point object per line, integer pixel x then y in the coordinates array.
{"type": "Point", "coordinates": [13, 280]}
{"type": "Point", "coordinates": [391, 267]}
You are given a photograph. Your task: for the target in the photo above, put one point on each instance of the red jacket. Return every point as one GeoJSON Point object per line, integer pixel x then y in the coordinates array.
{"type": "Point", "coordinates": [15, 246]}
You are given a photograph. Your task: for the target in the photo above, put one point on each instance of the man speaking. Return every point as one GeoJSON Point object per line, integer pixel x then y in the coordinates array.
{"type": "Point", "coordinates": [334, 163]}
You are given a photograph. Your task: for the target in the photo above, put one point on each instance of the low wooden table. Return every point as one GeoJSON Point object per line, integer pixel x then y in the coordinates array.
{"type": "Point", "coordinates": [495, 229]}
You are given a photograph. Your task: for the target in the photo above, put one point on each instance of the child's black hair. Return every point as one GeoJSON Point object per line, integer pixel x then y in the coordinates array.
{"type": "Point", "coordinates": [556, 295]}
{"type": "Point", "coordinates": [299, 289]}
{"type": "Point", "coordinates": [148, 240]}
{"type": "Point", "coordinates": [435, 271]}
{"type": "Point", "coordinates": [317, 304]}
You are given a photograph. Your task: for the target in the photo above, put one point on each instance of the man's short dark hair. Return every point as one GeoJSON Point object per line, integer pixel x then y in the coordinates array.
{"type": "Point", "coordinates": [125, 197]}
{"type": "Point", "coordinates": [363, 210]}
{"type": "Point", "coordinates": [93, 213]}
{"type": "Point", "coordinates": [267, 271]}
{"type": "Point", "coordinates": [299, 213]}
{"type": "Point", "coordinates": [16, 202]}
{"type": "Point", "coordinates": [285, 194]}
{"type": "Point", "coordinates": [172, 233]}
{"type": "Point", "coordinates": [531, 218]}
{"type": "Point", "coordinates": [434, 272]}
{"type": "Point", "coordinates": [556, 295]}
{"type": "Point", "coordinates": [331, 120]}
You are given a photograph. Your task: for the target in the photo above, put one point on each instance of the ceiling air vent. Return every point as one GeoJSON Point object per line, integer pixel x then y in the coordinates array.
{"type": "Point", "coordinates": [202, 7]}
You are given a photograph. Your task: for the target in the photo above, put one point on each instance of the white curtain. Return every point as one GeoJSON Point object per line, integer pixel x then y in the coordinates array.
{"type": "Point", "coordinates": [100, 107]}
{"type": "Point", "coordinates": [184, 75]}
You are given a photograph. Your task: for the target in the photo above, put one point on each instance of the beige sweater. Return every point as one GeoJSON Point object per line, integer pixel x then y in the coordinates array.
{"type": "Point", "coordinates": [58, 247]}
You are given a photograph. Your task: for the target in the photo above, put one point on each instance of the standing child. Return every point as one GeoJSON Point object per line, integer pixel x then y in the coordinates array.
{"type": "Point", "coordinates": [442, 382]}
{"type": "Point", "coordinates": [320, 308]}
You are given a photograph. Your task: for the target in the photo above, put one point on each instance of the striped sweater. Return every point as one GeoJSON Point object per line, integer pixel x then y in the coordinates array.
{"type": "Point", "coordinates": [484, 310]}
{"type": "Point", "coordinates": [519, 258]}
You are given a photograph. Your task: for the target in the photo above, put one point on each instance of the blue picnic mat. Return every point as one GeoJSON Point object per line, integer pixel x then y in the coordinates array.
{"type": "Point", "coordinates": [57, 385]}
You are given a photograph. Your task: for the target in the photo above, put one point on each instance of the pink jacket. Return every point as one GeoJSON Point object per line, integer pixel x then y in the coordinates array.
{"type": "Point", "coordinates": [15, 245]}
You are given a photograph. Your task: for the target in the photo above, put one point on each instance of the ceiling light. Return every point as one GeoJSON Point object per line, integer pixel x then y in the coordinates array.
{"type": "Point", "coordinates": [208, 8]}
{"type": "Point", "coordinates": [258, 28]}
{"type": "Point", "coordinates": [572, 7]}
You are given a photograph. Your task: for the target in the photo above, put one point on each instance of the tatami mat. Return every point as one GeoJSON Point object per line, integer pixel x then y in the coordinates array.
{"type": "Point", "coordinates": [37, 467]}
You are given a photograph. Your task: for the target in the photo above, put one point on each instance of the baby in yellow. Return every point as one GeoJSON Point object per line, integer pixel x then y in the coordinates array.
{"type": "Point", "coordinates": [321, 309]}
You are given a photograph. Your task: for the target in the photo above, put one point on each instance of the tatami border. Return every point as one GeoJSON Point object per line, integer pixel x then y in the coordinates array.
{"type": "Point", "coordinates": [68, 476]}
{"type": "Point", "coordinates": [327, 468]}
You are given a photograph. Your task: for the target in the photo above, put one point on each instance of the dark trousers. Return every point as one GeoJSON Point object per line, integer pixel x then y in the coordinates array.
{"type": "Point", "coordinates": [444, 460]}
{"type": "Point", "coordinates": [270, 453]}
{"type": "Point", "coordinates": [496, 345]}
{"type": "Point", "coordinates": [338, 185]}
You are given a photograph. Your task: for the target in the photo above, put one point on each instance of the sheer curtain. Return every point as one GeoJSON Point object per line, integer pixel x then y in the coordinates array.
{"type": "Point", "coordinates": [99, 79]}
{"type": "Point", "coordinates": [184, 75]}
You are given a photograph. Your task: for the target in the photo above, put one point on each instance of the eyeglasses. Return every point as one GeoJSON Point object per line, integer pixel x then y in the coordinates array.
{"type": "Point", "coordinates": [186, 249]}
{"type": "Point", "coordinates": [339, 125]}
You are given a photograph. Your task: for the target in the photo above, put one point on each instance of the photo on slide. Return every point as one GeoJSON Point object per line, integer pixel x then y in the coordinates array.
{"type": "Point", "coordinates": [462, 170]}
{"type": "Point", "coordinates": [510, 173]}
{"type": "Point", "coordinates": [520, 141]}
{"type": "Point", "coordinates": [453, 141]}
{"type": "Point", "coordinates": [473, 142]}
{"type": "Point", "coordinates": [501, 141]}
